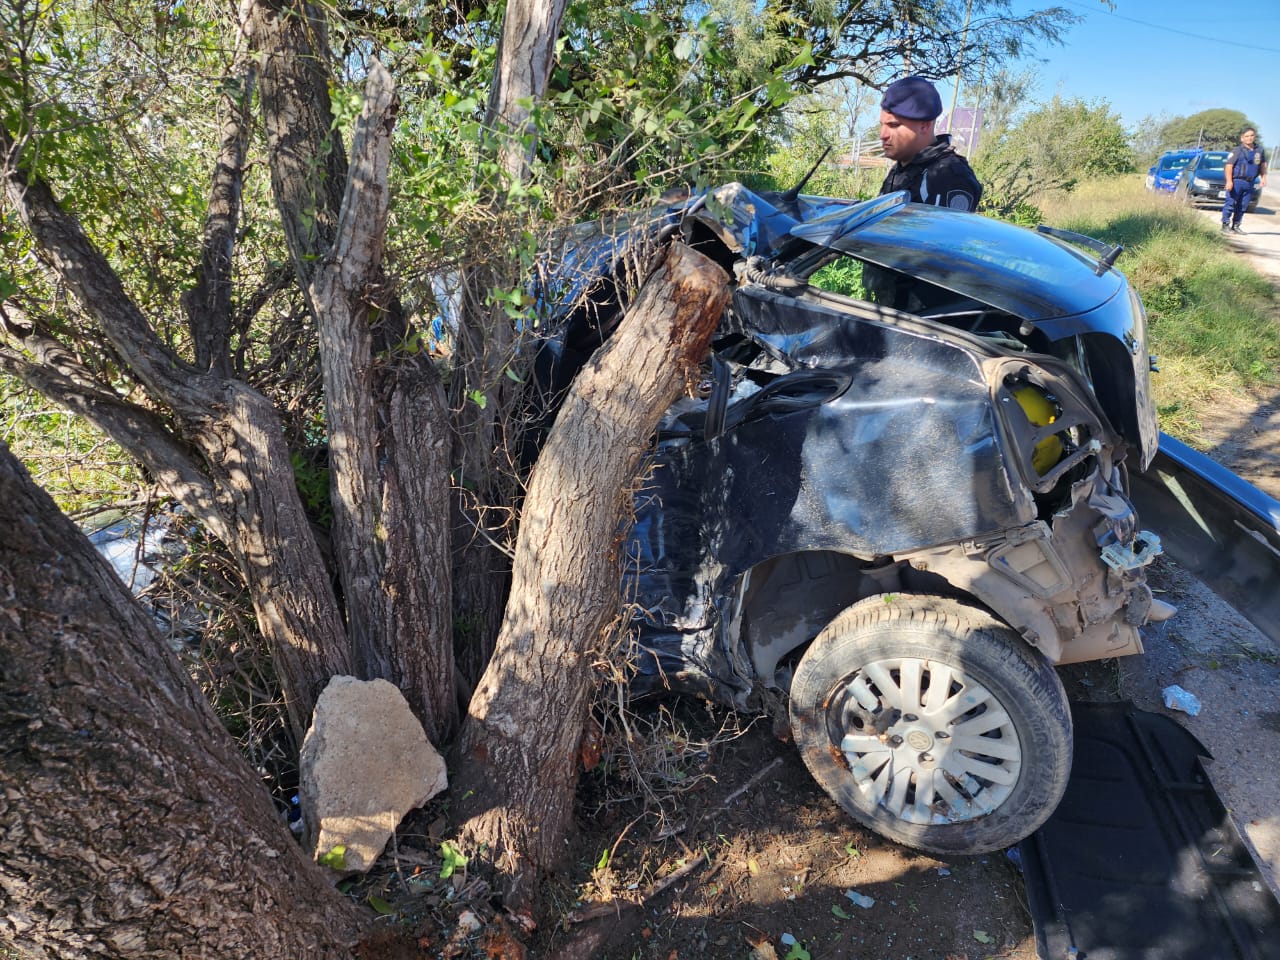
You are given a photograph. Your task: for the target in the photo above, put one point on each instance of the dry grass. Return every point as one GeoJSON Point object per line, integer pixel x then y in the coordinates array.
{"type": "Point", "coordinates": [1214, 321]}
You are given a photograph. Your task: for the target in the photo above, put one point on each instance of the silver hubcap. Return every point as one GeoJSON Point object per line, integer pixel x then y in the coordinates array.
{"type": "Point", "coordinates": [926, 742]}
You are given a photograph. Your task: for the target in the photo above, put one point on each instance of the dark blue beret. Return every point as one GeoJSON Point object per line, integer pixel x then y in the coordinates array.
{"type": "Point", "coordinates": [912, 97]}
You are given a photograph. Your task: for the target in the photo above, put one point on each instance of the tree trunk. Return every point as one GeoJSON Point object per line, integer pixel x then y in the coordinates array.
{"type": "Point", "coordinates": [487, 347]}
{"type": "Point", "coordinates": [526, 52]}
{"type": "Point", "coordinates": [519, 743]}
{"type": "Point", "coordinates": [130, 825]}
{"type": "Point", "coordinates": [387, 447]}
{"type": "Point", "coordinates": [304, 153]}
{"type": "Point", "coordinates": [389, 463]}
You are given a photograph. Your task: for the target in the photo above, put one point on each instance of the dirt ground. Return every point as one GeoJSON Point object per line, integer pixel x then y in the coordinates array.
{"type": "Point", "coordinates": [748, 858]}
{"type": "Point", "coordinates": [788, 874]}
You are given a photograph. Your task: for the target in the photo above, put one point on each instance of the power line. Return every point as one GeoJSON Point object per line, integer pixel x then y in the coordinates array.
{"type": "Point", "coordinates": [1160, 26]}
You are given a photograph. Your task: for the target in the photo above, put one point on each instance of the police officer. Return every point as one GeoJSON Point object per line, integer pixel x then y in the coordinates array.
{"type": "Point", "coordinates": [1243, 163]}
{"type": "Point", "coordinates": [927, 166]}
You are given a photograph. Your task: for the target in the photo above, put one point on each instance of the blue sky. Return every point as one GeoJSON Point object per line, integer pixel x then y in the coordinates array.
{"type": "Point", "coordinates": [1172, 57]}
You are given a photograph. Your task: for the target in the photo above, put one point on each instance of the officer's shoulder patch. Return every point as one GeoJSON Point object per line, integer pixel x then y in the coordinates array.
{"type": "Point", "coordinates": [959, 200]}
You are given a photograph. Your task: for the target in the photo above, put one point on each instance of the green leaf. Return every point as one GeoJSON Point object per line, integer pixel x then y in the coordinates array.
{"type": "Point", "coordinates": [802, 59]}
{"type": "Point", "coordinates": [603, 861]}
{"type": "Point", "coordinates": [452, 860]}
{"type": "Point", "coordinates": [839, 912]}
{"type": "Point", "coordinates": [684, 48]}
{"type": "Point", "coordinates": [335, 859]}
{"type": "Point", "coordinates": [478, 398]}
{"type": "Point", "coordinates": [798, 952]}
{"type": "Point", "coordinates": [380, 905]}
{"type": "Point", "coordinates": [983, 937]}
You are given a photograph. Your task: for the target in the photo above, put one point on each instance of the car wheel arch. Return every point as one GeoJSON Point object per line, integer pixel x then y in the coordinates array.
{"type": "Point", "coordinates": [788, 600]}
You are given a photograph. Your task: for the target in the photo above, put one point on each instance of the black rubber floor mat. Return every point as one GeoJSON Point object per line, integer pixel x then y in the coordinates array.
{"type": "Point", "coordinates": [1140, 861]}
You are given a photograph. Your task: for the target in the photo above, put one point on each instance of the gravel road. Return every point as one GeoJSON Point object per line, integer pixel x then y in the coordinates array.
{"type": "Point", "coordinates": [1261, 240]}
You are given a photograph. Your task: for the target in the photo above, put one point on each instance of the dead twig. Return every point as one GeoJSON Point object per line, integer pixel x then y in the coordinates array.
{"type": "Point", "coordinates": [614, 907]}
{"type": "Point", "coordinates": [752, 782]}
{"type": "Point", "coordinates": [654, 889]}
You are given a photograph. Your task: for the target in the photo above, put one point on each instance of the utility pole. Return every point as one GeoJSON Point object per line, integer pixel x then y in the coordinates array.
{"type": "Point", "coordinates": [955, 93]}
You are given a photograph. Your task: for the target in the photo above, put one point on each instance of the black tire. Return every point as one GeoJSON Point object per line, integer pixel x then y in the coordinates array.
{"type": "Point", "coordinates": [934, 787]}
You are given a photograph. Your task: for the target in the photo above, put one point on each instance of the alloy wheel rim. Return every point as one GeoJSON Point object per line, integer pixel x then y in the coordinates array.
{"type": "Point", "coordinates": [925, 741]}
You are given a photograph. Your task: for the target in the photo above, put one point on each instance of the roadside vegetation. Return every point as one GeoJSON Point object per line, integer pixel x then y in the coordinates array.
{"type": "Point", "coordinates": [1214, 321]}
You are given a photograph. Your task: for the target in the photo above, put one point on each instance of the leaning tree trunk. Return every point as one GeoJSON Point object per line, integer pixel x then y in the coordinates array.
{"type": "Point", "coordinates": [519, 743]}
{"type": "Point", "coordinates": [130, 825]}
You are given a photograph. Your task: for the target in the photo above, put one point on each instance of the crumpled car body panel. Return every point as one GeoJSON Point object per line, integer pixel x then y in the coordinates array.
{"type": "Point", "coordinates": [840, 448]}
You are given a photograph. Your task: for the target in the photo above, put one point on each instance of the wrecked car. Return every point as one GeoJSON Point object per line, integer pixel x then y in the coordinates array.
{"type": "Point", "coordinates": [895, 502]}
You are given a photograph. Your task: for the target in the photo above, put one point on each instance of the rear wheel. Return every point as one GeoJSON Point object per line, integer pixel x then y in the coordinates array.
{"type": "Point", "coordinates": [933, 724]}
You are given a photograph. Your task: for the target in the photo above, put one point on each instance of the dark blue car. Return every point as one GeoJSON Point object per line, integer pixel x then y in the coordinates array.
{"type": "Point", "coordinates": [1204, 181]}
{"type": "Point", "coordinates": [897, 497]}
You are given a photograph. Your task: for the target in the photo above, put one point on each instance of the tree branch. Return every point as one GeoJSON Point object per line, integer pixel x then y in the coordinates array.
{"type": "Point", "coordinates": [208, 304]}
{"type": "Point", "coordinates": [56, 375]}
{"type": "Point", "coordinates": [64, 246]}
{"type": "Point", "coordinates": [308, 165]}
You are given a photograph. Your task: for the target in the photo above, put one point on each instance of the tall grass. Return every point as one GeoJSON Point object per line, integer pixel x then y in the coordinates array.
{"type": "Point", "coordinates": [1214, 321]}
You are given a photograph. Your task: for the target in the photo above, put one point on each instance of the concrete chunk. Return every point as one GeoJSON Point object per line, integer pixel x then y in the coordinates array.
{"type": "Point", "coordinates": [365, 763]}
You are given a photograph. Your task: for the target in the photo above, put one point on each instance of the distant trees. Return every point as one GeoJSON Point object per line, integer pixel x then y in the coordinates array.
{"type": "Point", "coordinates": [1217, 129]}
{"type": "Point", "coordinates": [1052, 148]}
{"type": "Point", "coordinates": [1147, 139]}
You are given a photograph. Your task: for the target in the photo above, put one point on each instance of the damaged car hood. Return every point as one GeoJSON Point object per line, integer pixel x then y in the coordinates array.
{"type": "Point", "coordinates": [1051, 285]}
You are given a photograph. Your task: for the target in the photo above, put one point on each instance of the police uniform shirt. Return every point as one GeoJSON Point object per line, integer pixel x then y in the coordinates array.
{"type": "Point", "coordinates": [937, 176]}
{"type": "Point", "coordinates": [1245, 162]}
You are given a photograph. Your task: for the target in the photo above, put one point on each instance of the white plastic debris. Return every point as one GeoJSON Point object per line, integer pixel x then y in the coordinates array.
{"type": "Point", "coordinates": [858, 900]}
{"type": "Point", "coordinates": [1175, 698]}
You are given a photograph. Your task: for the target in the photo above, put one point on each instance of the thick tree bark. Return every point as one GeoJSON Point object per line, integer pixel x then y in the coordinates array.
{"type": "Point", "coordinates": [385, 477]}
{"type": "Point", "coordinates": [487, 347]}
{"type": "Point", "coordinates": [130, 826]}
{"type": "Point", "coordinates": [526, 53]}
{"type": "Point", "coordinates": [305, 155]}
{"type": "Point", "coordinates": [516, 782]}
